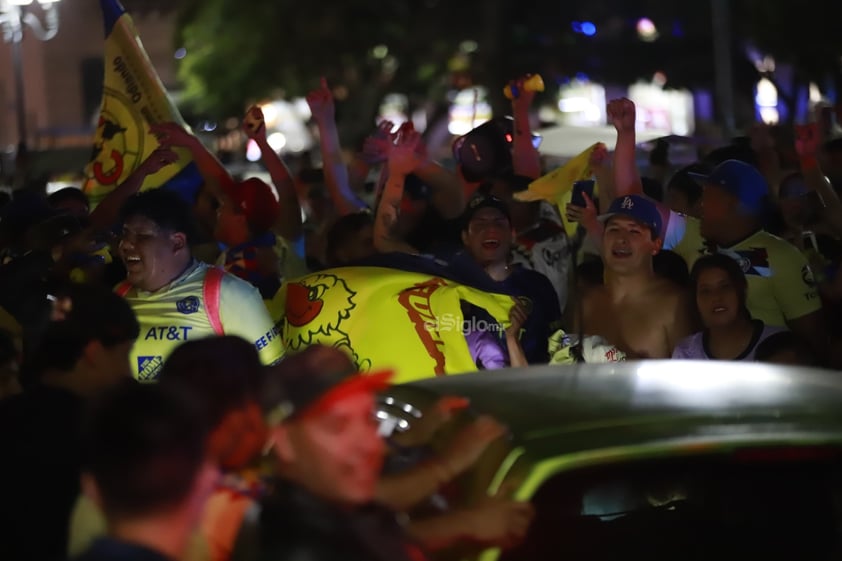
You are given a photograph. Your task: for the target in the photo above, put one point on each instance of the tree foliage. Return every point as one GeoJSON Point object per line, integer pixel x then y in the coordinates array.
{"type": "Point", "coordinates": [241, 51]}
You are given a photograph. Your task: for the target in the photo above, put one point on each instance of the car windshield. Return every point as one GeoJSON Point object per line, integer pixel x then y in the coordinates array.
{"type": "Point", "coordinates": [781, 503]}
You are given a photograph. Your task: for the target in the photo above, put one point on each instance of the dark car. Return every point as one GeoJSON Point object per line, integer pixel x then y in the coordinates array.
{"type": "Point", "coordinates": [652, 460]}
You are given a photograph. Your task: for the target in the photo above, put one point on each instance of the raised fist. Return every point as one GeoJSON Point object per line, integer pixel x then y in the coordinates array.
{"type": "Point", "coordinates": [621, 114]}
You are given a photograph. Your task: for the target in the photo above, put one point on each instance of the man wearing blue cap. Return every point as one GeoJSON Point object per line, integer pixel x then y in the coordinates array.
{"type": "Point", "coordinates": [782, 291]}
{"type": "Point", "coordinates": [638, 312]}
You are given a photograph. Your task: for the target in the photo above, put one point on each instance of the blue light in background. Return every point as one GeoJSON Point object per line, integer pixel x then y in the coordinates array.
{"type": "Point", "coordinates": [677, 29]}
{"type": "Point", "coordinates": [588, 29]}
{"type": "Point", "coordinates": [577, 27]}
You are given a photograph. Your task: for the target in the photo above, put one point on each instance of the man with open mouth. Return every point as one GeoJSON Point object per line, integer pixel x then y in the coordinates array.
{"type": "Point", "coordinates": [643, 315]}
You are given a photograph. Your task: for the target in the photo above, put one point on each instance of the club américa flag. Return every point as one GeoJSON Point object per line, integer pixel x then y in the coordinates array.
{"type": "Point", "coordinates": [133, 98]}
{"type": "Point", "coordinates": [391, 312]}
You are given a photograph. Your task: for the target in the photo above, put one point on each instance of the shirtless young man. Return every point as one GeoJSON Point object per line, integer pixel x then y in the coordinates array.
{"type": "Point", "coordinates": [640, 313]}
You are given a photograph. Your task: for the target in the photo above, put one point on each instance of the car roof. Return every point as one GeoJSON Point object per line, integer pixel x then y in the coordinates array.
{"type": "Point", "coordinates": [557, 409]}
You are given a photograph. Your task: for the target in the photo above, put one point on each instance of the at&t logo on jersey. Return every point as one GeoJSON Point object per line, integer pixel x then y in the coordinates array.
{"type": "Point", "coordinates": [148, 367]}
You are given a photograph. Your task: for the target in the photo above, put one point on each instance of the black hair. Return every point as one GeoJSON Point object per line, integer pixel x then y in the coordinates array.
{"type": "Point", "coordinates": [167, 209]}
{"type": "Point", "coordinates": [95, 314]}
{"type": "Point", "coordinates": [8, 350]}
{"type": "Point", "coordinates": [670, 265]}
{"type": "Point", "coordinates": [739, 150]}
{"type": "Point", "coordinates": [342, 231]}
{"type": "Point", "coordinates": [144, 445]}
{"type": "Point", "coordinates": [591, 271]}
{"type": "Point", "coordinates": [682, 182]}
{"type": "Point", "coordinates": [781, 342]}
{"type": "Point", "coordinates": [834, 145]}
{"type": "Point", "coordinates": [652, 188]}
{"type": "Point", "coordinates": [224, 372]}
{"type": "Point", "coordinates": [731, 268]}
{"type": "Point", "coordinates": [67, 194]}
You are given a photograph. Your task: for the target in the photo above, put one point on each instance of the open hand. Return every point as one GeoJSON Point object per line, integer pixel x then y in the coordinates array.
{"type": "Point", "coordinates": [253, 123]}
{"type": "Point", "coordinates": [158, 159]}
{"type": "Point", "coordinates": [378, 144]}
{"type": "Point", "coordinates": [469, 444]}
{"type": "Point", "coordinates": [321, 103]}
{"type": "Point", "coordinates": [172, 134]}
{"type": "Point", "coordinates": [500, 521]}
{"type": "Point", "coordinates": [403, 156]}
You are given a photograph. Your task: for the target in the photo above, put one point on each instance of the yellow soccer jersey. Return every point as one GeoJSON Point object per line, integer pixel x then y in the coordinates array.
{"type": "Point", "coordinates": [176, 314]}
{"type": "Point", "coordinates": [781, 286]}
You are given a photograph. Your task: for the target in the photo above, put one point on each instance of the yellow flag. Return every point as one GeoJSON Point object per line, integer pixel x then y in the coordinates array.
{"type": "Point", "coordinates": [133, 97]}
{"type": "Point", "coordinates": [557, 186]}
{"type": "Point", "coordinates": [387, 318]}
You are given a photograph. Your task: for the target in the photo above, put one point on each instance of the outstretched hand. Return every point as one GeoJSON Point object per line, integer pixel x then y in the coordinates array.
{"type": "Point", "coordinates": [404, 156]}
{"type": "Point", "coordinates": [378, 144]}
{"type": "Point", "coordinates": [172, 134]}
{"type": "Point", "coordinates": [321, 103]}
{"type": "Point", "coordinates": [254, 124]}
{"type": "Point", "coordinates": [158, 159]}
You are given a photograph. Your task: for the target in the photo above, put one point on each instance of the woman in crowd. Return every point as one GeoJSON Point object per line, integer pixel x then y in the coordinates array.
{"type": "Point", "coordinates": [729, 333]}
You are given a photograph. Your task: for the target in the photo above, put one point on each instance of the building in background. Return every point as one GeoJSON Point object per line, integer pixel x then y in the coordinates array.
{"type": "Point", "coordinates": [63, 77]}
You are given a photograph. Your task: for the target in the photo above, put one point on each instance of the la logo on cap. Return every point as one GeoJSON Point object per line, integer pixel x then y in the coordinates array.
{"type": "Point", "coordinates": [628, 203]}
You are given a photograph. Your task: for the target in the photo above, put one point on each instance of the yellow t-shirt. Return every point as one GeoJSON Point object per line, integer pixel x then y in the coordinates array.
{"type": "Point", "coordinates": [781, 286]}
{"type": "Point", "coordinates": [176, 314]}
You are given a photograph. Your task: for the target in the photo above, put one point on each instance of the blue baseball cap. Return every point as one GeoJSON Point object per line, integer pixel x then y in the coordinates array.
{"type": "Point", "coordinates": [741, 180]}
{"type": "Point", "coordinates": [638, 208]}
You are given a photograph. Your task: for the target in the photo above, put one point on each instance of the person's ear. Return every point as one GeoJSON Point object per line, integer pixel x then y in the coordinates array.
{"type": "Point", "coordinates": [206, 480]}
{"type": "Point", "coordinates": [179, 241]}
{"type": "Point", "coordinates": [279, 442]}
{"type": "Point", "coordinates": [91, 490]}
{"type": "Point", "coordinates": [658, 245]}
{"type": "Point", "coordinates": [93, 351]}
{"type": "Point", "coordinates": [464, 237]}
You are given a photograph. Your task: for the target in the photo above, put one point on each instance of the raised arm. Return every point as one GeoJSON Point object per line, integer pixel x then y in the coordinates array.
{"type": "Point", "coordinates": [335, 170]}
{"type": "Point", "coordinates": [289, 222]}
{"type": "Point", "coordinates": [104, 216]}
{"type": "Point", "coordinates": [403, 159]}
{"type": "Point", "coordinates": [621, 114]}
{"type": "Point", "coordinates": [526, 160]}
{"type": "Point", "coordinates": [447, 193]}
{"type": "Point", "coordinates": [807, 141]}
{"type": "Point", "coordinates": [213, 172]}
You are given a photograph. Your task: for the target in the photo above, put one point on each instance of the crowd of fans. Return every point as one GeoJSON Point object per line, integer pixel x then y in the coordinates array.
{"type": "Point", "coordinates": [237, 451]}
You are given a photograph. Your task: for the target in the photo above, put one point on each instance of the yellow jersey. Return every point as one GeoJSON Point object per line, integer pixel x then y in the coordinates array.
{"type": "Point", "coordinates": [177, 313]}
{"type": "Point", "coordinates": [781, 286]}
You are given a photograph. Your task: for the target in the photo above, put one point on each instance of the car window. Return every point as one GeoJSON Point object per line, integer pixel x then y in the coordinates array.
{"type": "Point", "coordinates": [751, 504]}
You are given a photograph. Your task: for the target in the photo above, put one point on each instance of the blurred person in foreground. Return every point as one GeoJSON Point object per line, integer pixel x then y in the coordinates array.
{"type": "Point", "coordinates": [146, 467]}
{"type": "Point", "coordinates": [83, 349]}
{"type": "Point", "coordinates": [329, 501]}
{"type": "Point", "coordinates": [225, 376]}
{"type": "Point", "coordinates": [324, 438]}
